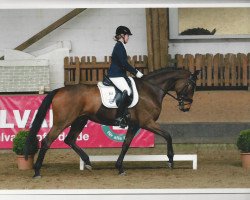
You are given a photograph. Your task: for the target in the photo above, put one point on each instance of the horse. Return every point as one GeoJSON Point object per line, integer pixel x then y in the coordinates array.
{"type": "Point", "coordinates": [74, 105]}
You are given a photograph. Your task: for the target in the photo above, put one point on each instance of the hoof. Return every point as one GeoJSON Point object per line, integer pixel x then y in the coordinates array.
{"type": "Point", "coordinates": [122, 174]}
{"type": "Point", "coordinates": [37, 177]}
{"type": "Point", "coordinates": [170, 165]}
{"type": "Point", "coordinates": [88, 167]}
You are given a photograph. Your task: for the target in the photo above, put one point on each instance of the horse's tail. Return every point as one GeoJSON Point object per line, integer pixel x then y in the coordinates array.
{"type": "Point", "coordinates": [31, 141]}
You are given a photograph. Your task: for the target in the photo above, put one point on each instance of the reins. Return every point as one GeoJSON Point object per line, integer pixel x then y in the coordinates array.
{"type": "Point", "coordinates": [172, 96]}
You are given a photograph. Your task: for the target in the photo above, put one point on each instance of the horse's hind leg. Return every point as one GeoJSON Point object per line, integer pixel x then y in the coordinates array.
{"type": "Point", "coordinates": [132, 129]}
{"type": "Point", "coordinates": [155, 128]}
{"type": "Point", "coordinates": [76, 128]}
{"type": "Point", "coordinates": [46, 142]}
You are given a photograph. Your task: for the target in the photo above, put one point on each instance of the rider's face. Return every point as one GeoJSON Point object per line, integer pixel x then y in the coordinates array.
{"type": "Point", "coordinates": [126, 38]}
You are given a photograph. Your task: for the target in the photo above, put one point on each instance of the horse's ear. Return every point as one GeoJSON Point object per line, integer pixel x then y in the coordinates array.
{"type": "Point", "coordinates": [196, 73]}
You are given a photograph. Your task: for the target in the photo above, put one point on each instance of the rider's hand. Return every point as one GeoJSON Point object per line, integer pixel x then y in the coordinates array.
{"type": "Point", "coordinates": [139, 74]}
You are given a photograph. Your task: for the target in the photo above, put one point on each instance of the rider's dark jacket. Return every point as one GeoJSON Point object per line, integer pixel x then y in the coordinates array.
{"type": "Point", "coordinates": [119, 63]}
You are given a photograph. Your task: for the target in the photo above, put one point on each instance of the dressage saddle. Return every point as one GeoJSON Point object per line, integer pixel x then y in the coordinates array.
{"type": "Point", "coordinates": [122, 112]}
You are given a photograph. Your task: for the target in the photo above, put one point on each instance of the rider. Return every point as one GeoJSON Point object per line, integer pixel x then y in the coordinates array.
{"type": "Point", "coordinates": [117, 71]}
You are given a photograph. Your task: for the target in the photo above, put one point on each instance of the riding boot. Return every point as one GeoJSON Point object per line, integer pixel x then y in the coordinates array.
{"type": "Point", "coordinates": [121, 115]}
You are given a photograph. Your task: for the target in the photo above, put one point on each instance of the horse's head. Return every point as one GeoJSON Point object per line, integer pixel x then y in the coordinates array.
{"type": "Point", "coordinates": [184, 88]}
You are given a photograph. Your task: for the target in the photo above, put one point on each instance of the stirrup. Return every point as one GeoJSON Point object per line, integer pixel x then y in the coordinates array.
{"type": "Point", "coordinates": [120, 121]}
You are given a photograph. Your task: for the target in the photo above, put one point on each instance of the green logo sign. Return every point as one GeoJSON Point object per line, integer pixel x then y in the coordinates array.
{"type": "Point", "coordinates": [114, 136]}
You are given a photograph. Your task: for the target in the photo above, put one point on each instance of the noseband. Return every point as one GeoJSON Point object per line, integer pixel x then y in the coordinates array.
{"type": "Point", "coordinates": [182, 97]}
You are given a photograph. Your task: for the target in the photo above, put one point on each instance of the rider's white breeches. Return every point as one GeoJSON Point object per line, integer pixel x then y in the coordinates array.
{"type": "Point", "coordinates": [121, 84]}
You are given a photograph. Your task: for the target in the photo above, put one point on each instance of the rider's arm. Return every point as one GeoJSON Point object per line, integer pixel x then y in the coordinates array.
{"type": "Point", "coordinates": [122, 56]}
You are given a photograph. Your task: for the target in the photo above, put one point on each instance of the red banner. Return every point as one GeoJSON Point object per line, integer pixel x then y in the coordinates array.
{"type": "Point", "coordinates": [18, 112]}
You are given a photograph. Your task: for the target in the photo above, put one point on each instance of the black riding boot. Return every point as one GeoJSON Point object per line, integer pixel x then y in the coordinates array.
{"type": "Point", "coordinates": [121, 115]}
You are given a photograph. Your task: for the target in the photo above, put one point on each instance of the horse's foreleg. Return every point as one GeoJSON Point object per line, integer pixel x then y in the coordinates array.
{"type": "Point", "coordinates": [46, 142]}
{"type": "Point", "coordinates": [76, 128]}
{"type": "Point", "coordinates": [155, 128]}
{"type": "Point", "coordinates": [128, 139]}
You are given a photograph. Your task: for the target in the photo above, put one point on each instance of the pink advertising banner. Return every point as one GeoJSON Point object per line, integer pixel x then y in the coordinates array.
{"type": "Point", "coordinates": [18, 111]}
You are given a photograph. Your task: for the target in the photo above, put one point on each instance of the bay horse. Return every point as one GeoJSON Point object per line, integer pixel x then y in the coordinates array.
{"type": "Point", "coordinates": [76, 104]}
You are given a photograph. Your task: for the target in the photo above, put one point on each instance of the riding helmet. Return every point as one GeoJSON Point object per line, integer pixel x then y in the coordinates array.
{"type": "Point", "coordinates": [123, 30]}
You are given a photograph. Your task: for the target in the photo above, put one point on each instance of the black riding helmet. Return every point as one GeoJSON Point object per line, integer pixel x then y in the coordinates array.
{"type": "Point", "coordinates": [123, 30]}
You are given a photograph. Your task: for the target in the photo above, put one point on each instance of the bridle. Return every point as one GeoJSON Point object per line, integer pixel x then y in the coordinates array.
{"type": "Point", "coordinates": [182, 96]}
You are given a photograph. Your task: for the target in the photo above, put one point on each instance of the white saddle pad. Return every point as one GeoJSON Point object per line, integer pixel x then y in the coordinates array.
{"type": "Point", "coordinates": [108, 95]}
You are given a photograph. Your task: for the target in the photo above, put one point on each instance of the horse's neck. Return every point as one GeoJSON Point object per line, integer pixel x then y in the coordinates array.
{"type": "Point", "coordinates": [164, 80]}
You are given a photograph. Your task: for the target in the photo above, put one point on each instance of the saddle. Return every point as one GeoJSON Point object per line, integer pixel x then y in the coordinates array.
{"type": "Point", "coordinates": [111, 95]}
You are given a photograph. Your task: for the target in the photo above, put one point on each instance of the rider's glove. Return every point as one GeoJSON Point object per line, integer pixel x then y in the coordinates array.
{"type": "Point", "coordinates": [139, 74]}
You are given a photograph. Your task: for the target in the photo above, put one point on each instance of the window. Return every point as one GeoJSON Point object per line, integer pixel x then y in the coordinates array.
{"type": "Point", "coordinates": [228, 22]}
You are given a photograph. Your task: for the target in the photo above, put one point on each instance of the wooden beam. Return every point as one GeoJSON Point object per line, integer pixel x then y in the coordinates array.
{"type": "Point", "coordinates": [163, 36]}
{"type": "Point", "coordinates": [50, 28]}
{"type": "Point", "coordinates": [156, 41]}
{"type": "Point", "coordinates": [157, 37]}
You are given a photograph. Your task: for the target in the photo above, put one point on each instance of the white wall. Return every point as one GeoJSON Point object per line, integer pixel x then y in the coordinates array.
{"type": "Point", "coordinates": [91, 32]}
{"type": "Point", "coordinates": [18, 25]}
